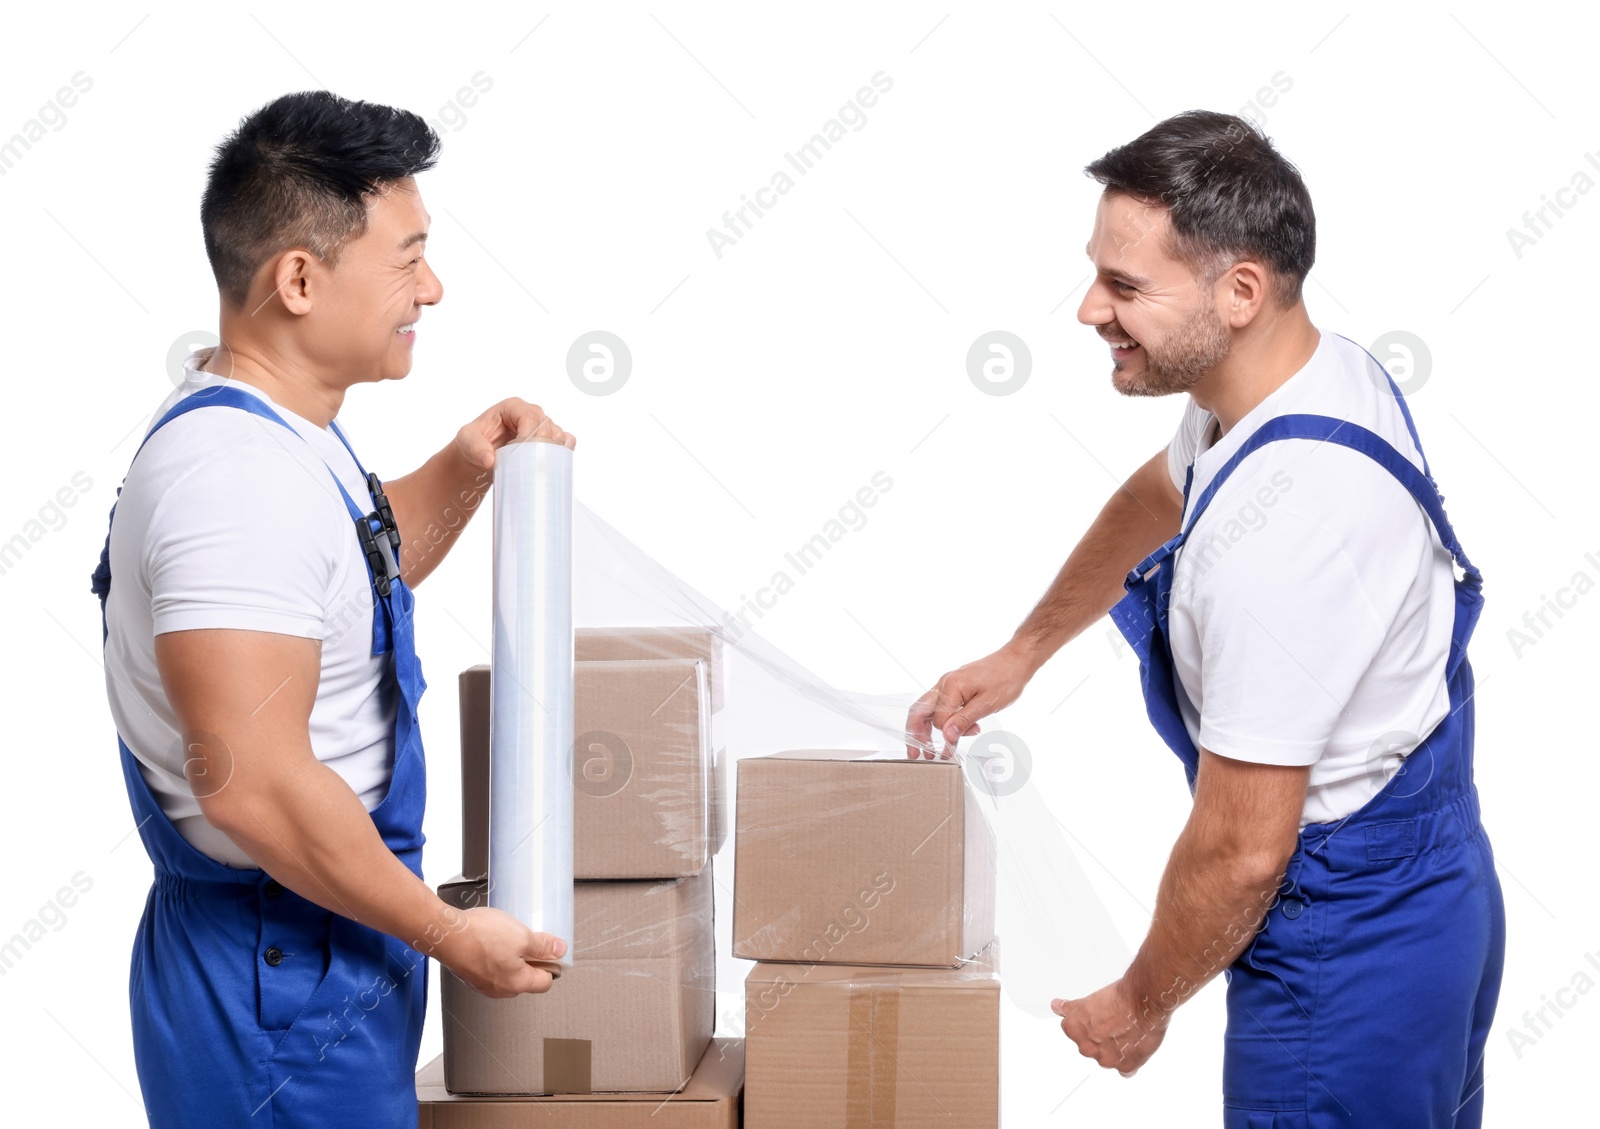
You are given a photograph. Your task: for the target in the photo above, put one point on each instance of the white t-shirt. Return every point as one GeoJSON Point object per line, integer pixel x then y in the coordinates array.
{"type": "Point", "coordinates": [227, 520]}
{"type": "Point", "coordinates": [1313, 602]}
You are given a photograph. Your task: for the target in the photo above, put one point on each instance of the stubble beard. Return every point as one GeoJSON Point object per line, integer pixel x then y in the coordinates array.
{"type": "Point", "coordinates": [1186, 354]}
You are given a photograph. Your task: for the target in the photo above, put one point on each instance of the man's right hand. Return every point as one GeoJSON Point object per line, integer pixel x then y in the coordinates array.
{"type": "Point", "coordinates": [962, 696]}
{"type": "Point", "coordinates": [491, 953]}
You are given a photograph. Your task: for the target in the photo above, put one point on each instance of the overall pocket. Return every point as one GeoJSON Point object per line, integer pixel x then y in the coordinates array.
{"type": "Point", "coordinates": [1266, 1070]}
{"type": "Point", "coordinates": [291, 957]}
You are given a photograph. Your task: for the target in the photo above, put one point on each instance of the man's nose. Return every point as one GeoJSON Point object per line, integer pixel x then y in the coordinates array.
{"type": "Point", "coordinates": [429, 288]}
{"type": "Point", "coordinates": [1094, 309]}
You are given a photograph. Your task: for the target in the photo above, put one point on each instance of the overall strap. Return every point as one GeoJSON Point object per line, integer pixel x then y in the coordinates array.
{"type": "Point", "coordinates": [340, 433]}
{"type": "Point", "coordinates": [227, 396]}
{"type": "Point", "coordinates": [1139, 571]}
{"type": "Point", "coordinates": [217, 394]}
{"type": "Point", "coordinates": [1327, 429]}
{"type": "Point", "coordinates": [1405, 411]}
{"type": "Point", "coordinates": [222, 395]}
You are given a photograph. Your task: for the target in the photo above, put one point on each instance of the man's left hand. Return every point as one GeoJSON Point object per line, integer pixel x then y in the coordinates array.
{"type": "Point", "coordinates": [1112, 1028]}
{"type": "Point", "coordinates": [507, 421]}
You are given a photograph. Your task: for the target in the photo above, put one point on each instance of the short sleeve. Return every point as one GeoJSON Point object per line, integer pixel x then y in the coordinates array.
{"type": "Point", "coordinates": [1286, 632]}
{"type": "Point", "coordinates": [1185, 444]}
{"type": "Point", "coordinates": [241, 541]}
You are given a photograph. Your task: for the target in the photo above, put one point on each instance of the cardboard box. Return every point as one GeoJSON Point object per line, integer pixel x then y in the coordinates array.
{"type": "Point", "coordinates": [634, 1013]}
{"type": "Point", "coordinates": [709, 1100]}
{"type": "Point", "coordinates": [847, 857]}
{"type": "Point", "coordinates": [611, 643]}
{"type": "Point", "coordinates": [646, 782]}
{"type": "Point", "coordinates": [650, 795]}
{"type": "Point", "coordinates": [473, 690]}
{"type": "Point", "coordinates": [828, 1045]}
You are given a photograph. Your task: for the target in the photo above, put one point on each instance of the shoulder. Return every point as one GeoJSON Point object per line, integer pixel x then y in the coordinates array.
{"type": "Point", "coordinates": [1185, 444]}
{"type": "Point", "coordinates": [1351, 385]}
{"type": "Point", "coordinates": [1324, 480]}
{"type": "Point", "coordinates": [230, 470]}
{"type": "Point", "coordinates": [1315, 521]}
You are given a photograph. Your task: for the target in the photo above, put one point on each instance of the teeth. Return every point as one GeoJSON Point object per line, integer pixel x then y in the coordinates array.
{"type": "Point", "coordinates": [407, 328]}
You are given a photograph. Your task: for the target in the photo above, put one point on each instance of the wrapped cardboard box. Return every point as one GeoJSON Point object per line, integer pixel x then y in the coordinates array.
{"type": "Point", "coordinates": [634, 1013]}
{"type": "Point", "coordinates": [646, 795]}
{"type": "Point", "coordinates": [650, 796]}
{"type": "Point", "coordinates": [709, 1100]}
{"type": "Point", "coordinates": [831, 1045]}
{"type": "Point", "coordinates": [852, 858]}
{"type": "Point", "coordinates": [611, 643]}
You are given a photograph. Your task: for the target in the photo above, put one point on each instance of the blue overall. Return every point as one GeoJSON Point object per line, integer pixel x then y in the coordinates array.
{"type": "Point", "coordinates": [1366, 997]}
{"type": "Point", "coordinates": [251, 1005]}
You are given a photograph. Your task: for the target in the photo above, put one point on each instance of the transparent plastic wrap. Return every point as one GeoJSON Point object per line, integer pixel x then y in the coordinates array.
{"type": "Point", "coordinates": [1059, 939]}
{"type": "Point", "coordinates": [633, 1013]}
{"type": "Point", "coordinates": [848, 858]}
{"type": "Point", "coordinates": [830, 1045]}
{"type": "Point", "coordinates": [530, 702]}
{"type": "Point", "coordinates": [709, 1099]}
{"type": "Point", "coordinates": [647, 781]}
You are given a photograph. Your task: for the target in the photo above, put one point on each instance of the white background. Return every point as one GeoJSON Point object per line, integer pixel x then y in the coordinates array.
{"type": "Point", "coordinates": [830, 343]}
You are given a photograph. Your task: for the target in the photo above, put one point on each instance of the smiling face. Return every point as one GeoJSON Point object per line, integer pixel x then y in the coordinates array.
{"type": "Point", "coordinates": [1161, 320]}
{"type": "Point", "coordinates": [361, 321]}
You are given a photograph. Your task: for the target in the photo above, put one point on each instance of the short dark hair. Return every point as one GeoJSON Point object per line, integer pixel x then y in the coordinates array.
{"type": "Point", "coordinates": [1229, 193]}
{"type": "Point", "coordinates": [296, 173]}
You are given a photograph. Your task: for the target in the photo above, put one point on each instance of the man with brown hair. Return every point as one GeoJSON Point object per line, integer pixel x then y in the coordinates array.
{"type": "Point", "coordinates": [1302, 641]}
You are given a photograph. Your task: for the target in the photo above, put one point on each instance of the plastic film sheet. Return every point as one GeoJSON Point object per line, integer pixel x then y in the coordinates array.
{"type": "Point", "coordinates": [531, 698]}
{"type": "Point", "coordinates": [871, 1048]}
{"type": "Point", "coordinates": [848, 857]}
{"type": "Point", "coordinates": [648, 785]}
{"type": "Point", "coordinates": [1059, 938]}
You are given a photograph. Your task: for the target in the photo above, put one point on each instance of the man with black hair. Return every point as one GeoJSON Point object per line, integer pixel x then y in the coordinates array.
{"type": "Point", "coordinates": [1285, 571]}
{"type": "Point", "coordinates": [260, 658]}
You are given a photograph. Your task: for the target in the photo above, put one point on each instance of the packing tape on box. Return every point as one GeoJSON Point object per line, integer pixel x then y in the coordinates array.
{"type": "Point", "coordinates": [1060, 939]}
{"type": "Point", "coordinates": [531, 690]}
{"type": "Point", "coordinates": [873, 1062]}
{"type": "Point", "coordinates": [567, 1066]}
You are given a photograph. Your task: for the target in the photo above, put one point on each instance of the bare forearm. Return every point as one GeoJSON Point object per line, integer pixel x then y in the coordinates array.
{"type": "Point", "coordinates": [1210, 905]}
{"type": "Point", "coordinates": [1222, 878]}
{"type": "Point", "coordinates": [432, 505]}
{"type": "Point", "coordinates": [306, 828]}
{"type": "Point", "coordinates": [1143, 514]}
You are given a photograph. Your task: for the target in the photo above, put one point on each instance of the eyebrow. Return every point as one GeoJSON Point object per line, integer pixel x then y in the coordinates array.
{"type": "Point", "coordinates": [421, 237]}
{"type": "Point", "coordinates": [1113, 272]}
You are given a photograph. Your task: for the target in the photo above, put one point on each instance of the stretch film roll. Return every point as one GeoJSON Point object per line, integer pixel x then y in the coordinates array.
{"type": "Point", "coordinates": [531, 690]}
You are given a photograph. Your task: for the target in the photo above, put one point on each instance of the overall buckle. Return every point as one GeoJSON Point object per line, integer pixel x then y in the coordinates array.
{"type": "Point", "coordinates": [384, 516]}
{"type": "Point", "coordinates": [369, 546]}
{"type": "Point", "coordinates": [383, 513]}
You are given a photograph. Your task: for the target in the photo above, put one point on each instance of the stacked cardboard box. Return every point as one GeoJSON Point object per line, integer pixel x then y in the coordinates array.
{"type": "Point", "coordinates": [635, 1013]}
{"type": "Point", "coordinates": [865, 889]}
{"type": "Point", "coordinates": [650, 798]}
{"type": "Point", "coordinates": [709, 1100]}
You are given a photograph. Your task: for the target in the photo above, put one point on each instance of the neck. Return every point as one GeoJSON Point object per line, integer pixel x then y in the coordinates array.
{"type": "Point", "coordinates": [1262, 359]}
{"type": "Point", "coordinates": [289, 380]}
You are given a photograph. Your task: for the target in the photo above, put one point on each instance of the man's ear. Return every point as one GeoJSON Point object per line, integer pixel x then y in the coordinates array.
{"type": "Point", "coordinates": [290, 278]}
{"type": "Point", "coordinates": [1243, 292]}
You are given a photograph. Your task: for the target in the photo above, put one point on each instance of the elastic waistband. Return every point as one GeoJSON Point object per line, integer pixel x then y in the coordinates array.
{"type": "Point", "coordinates": [1364, 843]}
{"type": "Point", "coordinates": [231, 885]}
